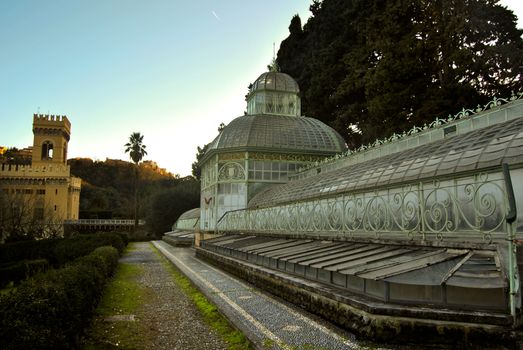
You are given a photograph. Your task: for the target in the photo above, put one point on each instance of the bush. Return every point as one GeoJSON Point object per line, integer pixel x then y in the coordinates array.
{"type": "Point", "coordinates": [73, 248]}
{"type": "Point", "coordinates": [27, 250]}
{"type": "Point", "coordinates": [51, 310]}
{"type": "Point", "coordinates": [20, 270]}
{"type": "Point", "coordinates": [59, 251]}
{"type": "Point", "coordinates": [124, 236]}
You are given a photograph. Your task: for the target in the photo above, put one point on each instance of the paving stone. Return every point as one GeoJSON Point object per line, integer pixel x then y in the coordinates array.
{"type": "Point", "coordinates": [264, 319]}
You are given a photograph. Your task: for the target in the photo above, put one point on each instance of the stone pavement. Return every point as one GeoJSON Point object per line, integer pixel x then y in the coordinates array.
{"type": "Point", "coordinates": [266, 321]}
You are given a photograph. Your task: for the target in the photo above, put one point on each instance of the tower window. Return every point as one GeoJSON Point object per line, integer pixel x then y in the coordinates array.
{"type": "Point", "coordinates": [47, 150]}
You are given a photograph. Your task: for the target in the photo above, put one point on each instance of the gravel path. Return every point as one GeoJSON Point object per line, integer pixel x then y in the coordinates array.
{"type": "Point", "coordinates": [268, 322]}
{"type": "Point", "coordinates": [168, 313]}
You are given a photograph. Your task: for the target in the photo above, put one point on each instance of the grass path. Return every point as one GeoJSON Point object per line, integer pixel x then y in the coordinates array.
{"type": "Point", "coordinates": [150, 304]}
{"type": "Point", "coordinates": [121, 299]}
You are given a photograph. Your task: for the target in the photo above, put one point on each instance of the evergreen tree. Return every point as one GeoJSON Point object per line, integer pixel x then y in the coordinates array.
{"type": "Point", "coordinates": [196, 166]}
{"type": "Point", "coordinates": [167, 206]}
{"type": "Point", "coordinates": [373, 67]}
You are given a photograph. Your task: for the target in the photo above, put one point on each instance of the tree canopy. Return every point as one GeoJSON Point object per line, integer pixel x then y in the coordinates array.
{"type": "Point", "coordinates": [107, 187]}
{"type": "Point", "coordinates": [107, 192]}
{"type": "Point", "coordinates": [370, 68]}
{"type": "Point", "coordinates": [166, 206]}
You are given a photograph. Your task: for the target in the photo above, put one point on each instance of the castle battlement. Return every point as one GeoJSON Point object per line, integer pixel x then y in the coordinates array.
{"type": "Point", "coordinates": [51, 170]}
{"type": "Point", "coordinates": [51, 120]}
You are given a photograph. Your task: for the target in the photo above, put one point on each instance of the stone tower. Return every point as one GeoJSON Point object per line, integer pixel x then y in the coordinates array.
{"type": "Point", "coordinates": [51, 136]}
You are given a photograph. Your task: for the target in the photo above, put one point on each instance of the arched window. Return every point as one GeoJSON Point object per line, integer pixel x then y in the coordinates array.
{"type": "Point", "coordinates": [47, 150]}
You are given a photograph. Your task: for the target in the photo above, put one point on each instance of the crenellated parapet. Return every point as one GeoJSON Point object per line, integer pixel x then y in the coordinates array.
{"type": "Point", "coordinates": [51, 170]}
{"type": "Point", "coordinates": [51, 119]}
{"type": "Point", "coordinates": [51, 124]}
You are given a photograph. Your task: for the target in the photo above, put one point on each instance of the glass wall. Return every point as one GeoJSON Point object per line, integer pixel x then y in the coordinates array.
{"type": "Point", "coordinates": [230, 180]}
{"type": "Point", "coordinates": [231, 196]}
{"type": "Point", "coordinates": [278, 103]}
{"type": "Point", "coordinates": [261, 170]}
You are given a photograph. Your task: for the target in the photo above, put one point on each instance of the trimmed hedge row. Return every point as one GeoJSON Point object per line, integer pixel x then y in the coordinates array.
{"type": "Point", "coordinates": [72, 248]}
{"type": "Point", "coordinates": [20, 270]}
{"type": "Point", "coordinates": [51, 310]}
{"type": "Point", "coordinates": [27, 250]}
{"type": "Point", "coordinates": [59, 251]}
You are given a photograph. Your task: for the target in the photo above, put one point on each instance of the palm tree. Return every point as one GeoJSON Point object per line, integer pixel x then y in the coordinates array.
{"type": "Point", "coordinates": [136, 150]}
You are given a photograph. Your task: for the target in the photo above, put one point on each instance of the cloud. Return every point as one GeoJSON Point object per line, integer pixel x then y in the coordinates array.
{"type": "Point", "coordinates": [216, 16]}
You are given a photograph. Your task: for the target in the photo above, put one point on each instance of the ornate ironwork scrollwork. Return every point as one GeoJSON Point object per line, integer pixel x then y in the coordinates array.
{"type": "Point", "coordinates": [471, 205]}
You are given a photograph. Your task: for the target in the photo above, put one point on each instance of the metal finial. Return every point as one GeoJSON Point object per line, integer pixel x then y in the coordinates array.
{"type": "Point", "coordinates": [273, 67]}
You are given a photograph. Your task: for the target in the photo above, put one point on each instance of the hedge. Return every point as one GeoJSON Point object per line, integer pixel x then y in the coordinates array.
{"type": "Point", "coordinates": [59, 251]}
{"type": "Point", "coordinates": [27, 250]}
{"type": "Point", "coordinates": [72, 248]}
{"type": "Point", "coordinates": [20, 270]}
{"type": "Point", "coordinates": [51, 310]}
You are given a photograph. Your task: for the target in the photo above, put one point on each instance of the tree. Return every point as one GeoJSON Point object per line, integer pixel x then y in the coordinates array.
{"type": "Point", "coordinates": [295, 26]}
{"type": "Point", "coordinates": [13, 155]}
{"type": "Point", "coordinates": [196, 166]}
{"type": "Point", "coordinates": [370, 68]}
{"type": "Point", "coordinates": [200, 152]}
{"type": "Point", "coordinates": [24, 217]}
{"type": "Point", "coordinates": [108, 186]}
{"type": "Point", "coordinates": [136, 150]}
{"type": "Point", "coordinates": [168, 205]}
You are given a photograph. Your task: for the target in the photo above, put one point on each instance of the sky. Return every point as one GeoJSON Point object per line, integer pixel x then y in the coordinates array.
{"type": "Point", "coordinates": [172, 70]}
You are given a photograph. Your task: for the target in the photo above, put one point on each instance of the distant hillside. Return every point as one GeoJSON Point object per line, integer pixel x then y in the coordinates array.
{"type": "Point", "coordinates": [107, 186]}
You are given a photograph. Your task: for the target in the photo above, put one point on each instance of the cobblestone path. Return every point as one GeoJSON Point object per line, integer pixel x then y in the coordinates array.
{"type": "Point", "coordinates": [269, 323]}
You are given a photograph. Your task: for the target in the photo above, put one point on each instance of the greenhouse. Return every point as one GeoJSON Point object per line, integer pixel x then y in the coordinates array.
{"type": "Point", "coordinates": [262, 148]}
{"type": "Point", "coordinates": [424, 226]}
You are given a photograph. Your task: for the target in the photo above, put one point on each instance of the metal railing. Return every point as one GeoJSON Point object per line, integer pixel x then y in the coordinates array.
{"type": "Point", "coordinates": [107, 222]}
{"type": "Point", "coordinates": [472, 206]}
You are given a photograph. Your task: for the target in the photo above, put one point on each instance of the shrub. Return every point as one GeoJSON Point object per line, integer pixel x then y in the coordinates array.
{"type": "Point", "coordinates": [27, 250]}
{"type": "Point", "coordinates": [124, 236]}
{"type": "Point", "coordinates": [59, 251]}
{"type": "Point", "coordinates": [70, 249]}
{"type": "Point", "coordinates": [20, 270]}
{"type": "Point", "coordinates": [50, 310]}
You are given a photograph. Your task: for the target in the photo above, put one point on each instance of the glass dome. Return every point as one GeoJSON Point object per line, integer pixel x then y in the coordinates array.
{"type": "Point", "coordinates": [190, 214]}
{"type": "Point", "coordinates": [279, 133]}
{"type": "Point", "coordinates": [275, 81]}
{"type": "Point", "coordinates": [274, 93]}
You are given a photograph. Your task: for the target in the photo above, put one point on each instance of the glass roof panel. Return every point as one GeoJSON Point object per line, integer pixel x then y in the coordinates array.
{"type": "Point", "coordinates": [472, 151]}
{"type": "Point", "coordinates": [279, 133]}
{"type": "Point", "coordinates": [275, 81]}
{"type": "Point", "coordinates": [190, 214]}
